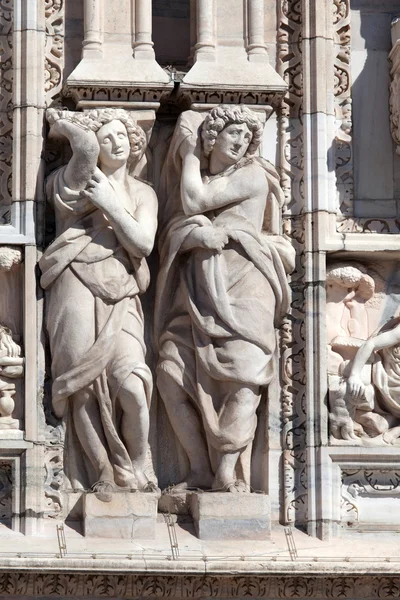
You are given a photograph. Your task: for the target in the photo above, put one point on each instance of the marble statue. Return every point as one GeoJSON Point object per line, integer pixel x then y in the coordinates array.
{"type": "Point", "coordinates": [363, 361]}
{"type": "Point", "coordinates": [93, 274]}
{"type": "Point", "coordinates": [11, 368]}
{"type": "Point", "coordinates": [222, 290]}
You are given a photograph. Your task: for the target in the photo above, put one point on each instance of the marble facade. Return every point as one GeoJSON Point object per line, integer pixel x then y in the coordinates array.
{"type": "Point", "coordinates": [200, 294]}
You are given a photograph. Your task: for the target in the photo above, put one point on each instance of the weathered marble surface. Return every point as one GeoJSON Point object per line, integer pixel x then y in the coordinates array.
{"type": "Point", "coordinates": [93, 273]}
{"type": "Point", "coordinates": [220, 516]}
{"type": "Point", "coordinates": [221, 291]}
{"type": "Point", "coordinates": [127, 516]}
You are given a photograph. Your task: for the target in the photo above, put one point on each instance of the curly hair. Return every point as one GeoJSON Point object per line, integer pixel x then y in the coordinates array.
{"type": "Point", "coordinates": [95, 119]}
{"type": "Point", "coordinates": [222, 116]}
{"type": "Point", "coordinates": [350, 277]}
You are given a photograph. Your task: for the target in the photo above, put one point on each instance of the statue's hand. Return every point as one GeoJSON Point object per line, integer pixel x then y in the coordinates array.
{"type": "Point", "coordinates": [99, 190]}
{"type": "Point", "coordinates": [355, 388]}
{"type": "Point", "coordinates": [191, 145]}
{"type": "Point", "coordinates": [8, 345]}
{"type": "Point", "coordinates": [213, 238]}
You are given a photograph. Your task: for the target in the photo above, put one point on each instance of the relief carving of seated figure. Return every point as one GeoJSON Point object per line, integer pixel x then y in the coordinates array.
{"type": "Point", "coordinates": [348, 290]}
{"type": "Point", "coordinates": [363, 397]}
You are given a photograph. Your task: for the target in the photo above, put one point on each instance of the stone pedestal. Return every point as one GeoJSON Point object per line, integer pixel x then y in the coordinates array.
{"type": "Point", "coordinates": [129, 515]}
{"type": "Point", "coordinates": [226, 516]}
{"type": "Point", "coordinates": [7, 423]}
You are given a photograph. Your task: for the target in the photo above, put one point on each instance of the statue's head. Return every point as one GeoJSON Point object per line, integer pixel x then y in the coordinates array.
{"type": "Point", "coordinates": [231, 131]}
{"type": "Point", "coordinates": [120, 138]}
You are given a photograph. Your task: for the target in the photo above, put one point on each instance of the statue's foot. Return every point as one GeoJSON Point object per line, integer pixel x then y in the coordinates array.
{"type": "Point", "coordinates": [145, 485]}
{"type": "Point", "coordinates": [237, 486]}
{"type": "Point", "coordinates": [103, 490]}
{"type": "Point", "coordinates": [241, 487]}
{"type": "Point", "coordinates": [194, 480]}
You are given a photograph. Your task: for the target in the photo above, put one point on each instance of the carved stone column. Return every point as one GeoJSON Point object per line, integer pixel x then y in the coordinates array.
{"type": "Point", "coordinates": [141, 29]}
{"type": "Point", "coordinates": [117, 49]}
{"type": "Point", "coordinates": [205, 46]}
{"type": "Point", "coordinates": [230, 49]}
{"type": "Point", "coordinates": [256, 49]}
{"type": "Point", "coordinates": [92, 44]}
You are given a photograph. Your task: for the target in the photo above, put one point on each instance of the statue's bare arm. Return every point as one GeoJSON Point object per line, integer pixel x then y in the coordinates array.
{"type": "Point", "coordinates": [199, 197]}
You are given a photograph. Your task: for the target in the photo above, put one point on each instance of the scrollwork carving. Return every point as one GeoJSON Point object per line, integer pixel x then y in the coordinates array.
{"type": "Point", "coordinates": [126, 585]}
{"type": "Point", "coordinates": [6, 108]}
{"type": "Point", "coordinates": [292, 331]}
{"type": "Point", "coordinates": [343, 108]}
{"type": "Point", "coordinates": [53, 482]}
{"type": "Point", "coordinates": [5, 491]}
{"type": "Point", "coordinates": [54, 51]}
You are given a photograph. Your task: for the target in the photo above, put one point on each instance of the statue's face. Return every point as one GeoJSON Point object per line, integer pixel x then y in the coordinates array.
{"type": "Point", "coordinates": [114, 144]}
{"type": "Point", "coordinates": [232, 143]}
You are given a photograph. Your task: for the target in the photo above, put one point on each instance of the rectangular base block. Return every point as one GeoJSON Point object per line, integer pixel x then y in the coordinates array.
{"type": "Point", "coordinates": [129, 515]}
{"type": "Point", "coordinates": [227, 516]}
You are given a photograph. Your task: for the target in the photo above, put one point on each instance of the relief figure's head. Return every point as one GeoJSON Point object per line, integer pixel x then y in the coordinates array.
{"type": "Point", "coordinates": [229, 133]}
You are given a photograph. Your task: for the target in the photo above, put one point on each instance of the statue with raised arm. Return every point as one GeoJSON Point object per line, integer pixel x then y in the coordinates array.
{"type": "Point", "coordinates": [221, 293]}
{"type": "Point", "coordinates": [93, 274]}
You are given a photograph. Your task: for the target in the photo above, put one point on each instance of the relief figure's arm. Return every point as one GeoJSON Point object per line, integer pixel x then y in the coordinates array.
{"type": "Point", "coordinates": [364, 353]}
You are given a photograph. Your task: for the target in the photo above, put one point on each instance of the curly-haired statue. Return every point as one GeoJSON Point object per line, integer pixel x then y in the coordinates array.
{"type": "Point", "coordinates": [93, 274]}
{"type": "Point", "coordinates": [221, 292]}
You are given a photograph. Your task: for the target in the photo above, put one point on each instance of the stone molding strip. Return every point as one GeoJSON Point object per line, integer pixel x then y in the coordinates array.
{"type": "Point", "coordinates": [68, 583]}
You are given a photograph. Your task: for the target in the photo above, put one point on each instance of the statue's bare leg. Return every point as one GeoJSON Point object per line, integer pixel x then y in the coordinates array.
{"type": "Point", "coordinates": [135, 425]}
{"type": "Point", "coordinates": [90, 433]}
{"type": "Point", "coordinates": [188, 427]}
{"type": "Point", "coordinates": [225, 477]}
{"type": "Point", "coordinates": [241, 410]}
